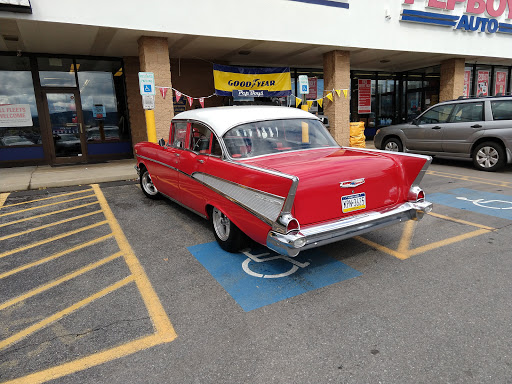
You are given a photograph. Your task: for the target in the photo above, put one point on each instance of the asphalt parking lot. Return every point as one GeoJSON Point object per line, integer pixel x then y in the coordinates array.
{"type": "Point", "coordinates": [101, 284]}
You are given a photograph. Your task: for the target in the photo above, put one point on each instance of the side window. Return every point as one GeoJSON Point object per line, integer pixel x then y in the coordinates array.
{"type": "Point", "coordinates": [178, 135]}
{"type": "Point", "coordinates": [468, 112]}
{"type": "Point", "coordinates": [216, 149]}
{"type": "Point", "coordinates": [435, 115]}
{"type": "Point", "coordinates": [501, 110]}
{"type": "Point", "coordinates": [200, 137]}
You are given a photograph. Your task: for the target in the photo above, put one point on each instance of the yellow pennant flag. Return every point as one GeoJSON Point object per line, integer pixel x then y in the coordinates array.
{"type": "Point", "coordinates": [320, 102]}
{"type": "Point", "coordinates": [338, 91]}
{"type": "Point", "coordinates": [329, 96]}
{"type": "Point", "coordinates": [310, 103]}
{"type": "Point", "coordinates": [345, 92]}
{"type": "Point", "coordinates": [298, 101]}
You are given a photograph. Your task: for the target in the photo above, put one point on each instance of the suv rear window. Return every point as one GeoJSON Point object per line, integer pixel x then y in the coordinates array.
{"type": "Point", "coordinates": [468, 112]}
{"type": "Point", "coordinates": [501, 109]}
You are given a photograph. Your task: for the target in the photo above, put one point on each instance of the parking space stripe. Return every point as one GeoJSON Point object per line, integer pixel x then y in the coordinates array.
{"type": "Point", "coordinates": [59, 315]}
{"type": "Point", "coordinates": [61, 280]}
{"type": "Point", "coordinates": [42, 206]}
{"type": "Point", "coordinates": [381, 248]}
{"type": "Point", "coordinates": [50, 239]}
{"type": "Point", "coordinates": [47, 198]}
{"type": "Point", "coordinates": [504, 184]}
{"type": "Point", "coordinates": [158, 315]}
{"type": "Point", "coordinates": [405, 241]}
{"type": "Point", "coordinates": [54, 256]}
{"type": "Point", "coordinates": [442, 243]}
{"type": "Point", "coordinates": [89, 361]}
{"type": "Point", "coordinates": [3, 198]}
{"type": "Point", "coordinates": [50, 225]}
{"type": "Point", "coordinates": [461, 221]}
{"type": "Point", "coordinates": [47, 214]}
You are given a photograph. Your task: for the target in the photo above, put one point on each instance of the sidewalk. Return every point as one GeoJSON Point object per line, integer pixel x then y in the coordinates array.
{"type": "Point", "coordinates": [45, 176]}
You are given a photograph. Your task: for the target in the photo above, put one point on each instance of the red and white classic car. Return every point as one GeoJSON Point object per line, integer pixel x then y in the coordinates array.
{"type": "Point", "coordinates": [276, 175]}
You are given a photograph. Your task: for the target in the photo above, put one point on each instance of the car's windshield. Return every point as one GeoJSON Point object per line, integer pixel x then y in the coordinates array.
{"type": "Point", "coordinates": [276, 136]}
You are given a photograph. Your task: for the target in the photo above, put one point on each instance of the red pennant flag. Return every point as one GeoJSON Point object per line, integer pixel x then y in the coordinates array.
{"type": "Point", "coordinates": [163, 92]}
{"type": "Point", "coordinates": [201, 101]}
{"type": "Point", "coordinates": [178, 95]}
{"type": "Point", "coordinates": [190, 100]}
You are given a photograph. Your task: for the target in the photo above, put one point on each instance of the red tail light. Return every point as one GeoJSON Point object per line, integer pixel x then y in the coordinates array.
{"type": "Point", "coordinates": [416, 194]}
{"type": "Point", "coordinates": [293, 225]}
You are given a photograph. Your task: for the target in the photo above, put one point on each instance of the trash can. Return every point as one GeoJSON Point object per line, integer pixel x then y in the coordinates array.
{"type": "Point", "coordinates": [357, 138]}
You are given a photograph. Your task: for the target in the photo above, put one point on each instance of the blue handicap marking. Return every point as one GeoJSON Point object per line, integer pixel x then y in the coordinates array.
{"type": "Point", "coordinates": [259, 277]}
{"type": "Point", "coordinates": [147, 87]}
{"type": "Point", "coordinates": [486, 203]}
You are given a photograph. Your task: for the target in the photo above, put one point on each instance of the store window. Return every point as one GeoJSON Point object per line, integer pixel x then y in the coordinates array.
{"type": "Point", "coordinates": [103, 103]}
{"type": "Point", "coordinates": [56, 72]}
{"type": "Point", "coordinates": [19, 118]}
{"type": "Point", "coordinates": [483, 78]}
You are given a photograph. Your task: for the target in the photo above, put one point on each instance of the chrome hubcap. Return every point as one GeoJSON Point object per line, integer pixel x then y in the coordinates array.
{"type": "Point", "coordinates": [147, 184]}
{"type": "Point", "coordinates": [221, 224]}
{"type": "Point", "coordinates": [487, 157]}
{"type": "Point", "coordinates": [391, 146]}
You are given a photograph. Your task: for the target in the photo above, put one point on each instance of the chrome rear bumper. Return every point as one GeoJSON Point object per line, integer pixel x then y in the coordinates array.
{"type": "Point", "coordinates": [318, 235]}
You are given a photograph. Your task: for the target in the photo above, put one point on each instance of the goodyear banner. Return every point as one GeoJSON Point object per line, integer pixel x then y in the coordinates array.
{"type": "Point", "coordinates": [252, 82]}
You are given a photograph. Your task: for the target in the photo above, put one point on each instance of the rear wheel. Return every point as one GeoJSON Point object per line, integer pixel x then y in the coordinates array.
{"type": "Point", "coordinates": [227, 234]}
{"type": "Point", "coordinates": [147, 186]}
{"type": "Point", "coordinates": [489, 156]}
{"type": "Point", "coordinates": [393, 145]}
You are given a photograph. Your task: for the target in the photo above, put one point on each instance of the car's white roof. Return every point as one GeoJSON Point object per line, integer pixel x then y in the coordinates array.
{"type": "Point", "coordinates": [221, 119]}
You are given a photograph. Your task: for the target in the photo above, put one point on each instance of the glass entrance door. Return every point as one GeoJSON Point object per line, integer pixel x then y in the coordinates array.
{"type": "Point", "coordinates": [66, 124]}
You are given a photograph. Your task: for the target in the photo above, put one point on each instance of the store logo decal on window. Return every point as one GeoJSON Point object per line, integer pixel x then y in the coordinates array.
{"type": "Point", "coordinates": [328, 3]}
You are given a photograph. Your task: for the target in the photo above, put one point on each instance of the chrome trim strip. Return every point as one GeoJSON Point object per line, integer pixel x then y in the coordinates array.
{"type": "Point", "coordinates": [318, 235]}
{"type": "Point", "coordinates": [381, 150]}
{"type": "Point", "coordinates": [159, 162]}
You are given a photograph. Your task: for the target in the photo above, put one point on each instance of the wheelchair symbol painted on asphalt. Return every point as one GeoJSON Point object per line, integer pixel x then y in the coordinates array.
{"type": "Point", "coordinates": [260, 259]}
{"type": "Point", "coordinates": [491, 204]}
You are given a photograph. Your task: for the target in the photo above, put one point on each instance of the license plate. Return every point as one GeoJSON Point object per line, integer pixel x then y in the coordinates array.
{"type": "Point", "coordinates": [353, 202]}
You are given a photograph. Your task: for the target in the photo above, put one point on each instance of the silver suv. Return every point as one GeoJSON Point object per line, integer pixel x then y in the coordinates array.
{"type": "Point", "coordinates": [477, 128]}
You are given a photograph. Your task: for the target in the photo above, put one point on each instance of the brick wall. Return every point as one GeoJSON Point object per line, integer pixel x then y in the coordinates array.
{"type": "Point", "coordinates": [452, 79]}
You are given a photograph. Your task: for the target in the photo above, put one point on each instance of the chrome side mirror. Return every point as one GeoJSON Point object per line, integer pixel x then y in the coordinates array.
{"type": "Point", "coordinates": [161, 142]}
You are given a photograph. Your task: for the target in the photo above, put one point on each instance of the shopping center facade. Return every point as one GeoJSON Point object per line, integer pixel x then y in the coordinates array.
{"type": "Point", "coordinates": [69, 87]}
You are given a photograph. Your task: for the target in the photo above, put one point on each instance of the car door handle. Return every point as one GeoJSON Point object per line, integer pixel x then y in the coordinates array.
{"type": "Point", "coordinates": [177, 154]}
{"type": "Point", "coordinates": [436, 127]}
{"type": "Point", "coordinates": [200, 161]}
{"type": "Point", "coordinates": [476, 126]}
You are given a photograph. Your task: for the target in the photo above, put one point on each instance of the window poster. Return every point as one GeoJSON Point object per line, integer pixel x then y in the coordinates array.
{"type": "Point", "coordinates": [483, 83]}
{"type": "Point", "coordinates": [501, 82]}
{"type": "Point", "coordinates": [467, 83]}
{"type": "Point", "coordinates": [364, 99]}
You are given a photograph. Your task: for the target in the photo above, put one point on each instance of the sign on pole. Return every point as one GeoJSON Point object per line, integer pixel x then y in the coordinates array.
{"type": "Point", "coordinates": [148, 101]}
{"type": "Point", "coordinates": [303, 84]}
{"type": "Point", "coordinates": [147, 83]}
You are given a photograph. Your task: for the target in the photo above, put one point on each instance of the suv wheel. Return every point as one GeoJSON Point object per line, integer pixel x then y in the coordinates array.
{"type": "Point", "coordinates": [489, 156]}
{"type": "Point", "coordinates": [393, 145]}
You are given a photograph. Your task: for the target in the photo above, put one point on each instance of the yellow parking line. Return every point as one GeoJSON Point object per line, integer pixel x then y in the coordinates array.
{"type": "Point", "coordinates": [50, 225]}
{"type": "Point", "coordinates": [63, 279]}
{"type": "Point", "coordinates": [51, 319]}
{"type": "Point", "coordinates": [406, 239]}
{"type": "Point", "coordinates": [442, 243]}
{"type": "Point", "coordinates": [381, 248]}
{"type": "Point", "coordinates": [89, 361]}
{"type": "Point", "coordinates": [48, 198]}
{"type": "Point", "coordinates": [47, 214]}
{"type": "Point", "coordinates": [3, 198]}
{"type": "Point", "coordinates": [54, 256]}
{"type": "Point", "coordinates": [46, 205]}
{"type": "Point", "coordinates": [158, 315]}
{"type": "Point", "coordinates": [461, 221]}
{"type": "Point", "coordinates": [50, 239]}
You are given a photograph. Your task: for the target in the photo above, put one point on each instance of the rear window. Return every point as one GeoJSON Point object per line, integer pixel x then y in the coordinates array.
{"type": "Point", "coordinates": [276, 136]}
{"type": "Point", "coordinates": [501, 109]}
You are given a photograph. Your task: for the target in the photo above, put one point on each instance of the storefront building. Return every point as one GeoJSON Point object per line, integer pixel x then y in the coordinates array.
{"type": "Point", "coordinates": [69, 87]}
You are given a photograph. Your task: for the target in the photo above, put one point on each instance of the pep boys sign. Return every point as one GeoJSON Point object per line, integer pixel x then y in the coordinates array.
{"type": "Point", "coordinates": [479, 15]}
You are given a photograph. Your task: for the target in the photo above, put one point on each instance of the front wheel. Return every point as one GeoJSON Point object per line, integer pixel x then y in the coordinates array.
{"type": "Point", "coordinates": [227, 234]}
{"type": "Point", "coordinates": [147, 186]}
{"type": "Point", "coordinates": [393, 145]}
{"type": "Point", "coordinates": [489, 156]}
